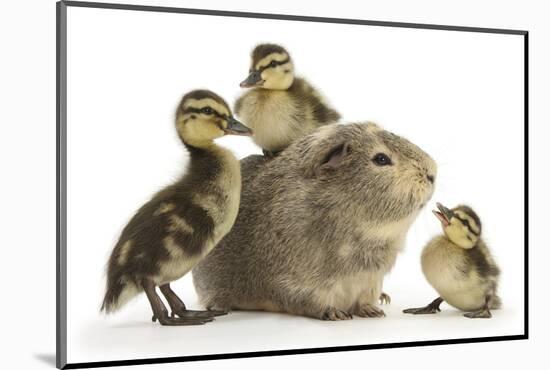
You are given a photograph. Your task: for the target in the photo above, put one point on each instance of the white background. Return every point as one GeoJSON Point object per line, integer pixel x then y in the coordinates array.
{"type": "Point", "coordinates": [445, 91]}
{"type": "Point", "coordinates": [30, 218]}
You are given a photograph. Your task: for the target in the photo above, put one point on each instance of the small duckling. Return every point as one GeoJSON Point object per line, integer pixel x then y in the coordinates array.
{"type": "Point", "coordinates": [459, 265]}
{"type": "Point", "coordinates": [280, 107]}
{"type": "Point", "coordinates": [181, 224]}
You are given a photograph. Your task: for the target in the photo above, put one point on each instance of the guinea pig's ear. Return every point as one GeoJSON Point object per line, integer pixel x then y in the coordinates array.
{"type": "Point", "coordinates": [331, 159]}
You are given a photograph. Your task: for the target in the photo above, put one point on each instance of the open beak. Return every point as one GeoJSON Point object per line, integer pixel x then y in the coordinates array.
{"type": "Point", "coordinates": [444, 214]}
{"type": "Point", "coordinates": [253, 79]}
{"type": "Point", "coordinates": [234, 127]}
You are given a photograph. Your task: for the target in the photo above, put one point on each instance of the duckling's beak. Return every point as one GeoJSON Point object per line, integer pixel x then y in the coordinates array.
{"type": "Point", "coordinates": [444, 214]}
{"type": "Point", "coordinates": [253, 79]}
{"type": "Point", "coordinates": [234, 127]}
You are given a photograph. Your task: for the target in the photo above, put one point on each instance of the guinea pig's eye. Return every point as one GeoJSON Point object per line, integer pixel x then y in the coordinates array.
{"type": "Point", "coordinates": [207, 110]}
{"type": "Point", "coordinates": [273, 64]}
{"type": "Point", "coordinates": [382, 159]}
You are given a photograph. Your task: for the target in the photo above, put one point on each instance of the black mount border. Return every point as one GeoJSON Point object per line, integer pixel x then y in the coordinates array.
{"type": "Point", "coordinates": [61, 171]}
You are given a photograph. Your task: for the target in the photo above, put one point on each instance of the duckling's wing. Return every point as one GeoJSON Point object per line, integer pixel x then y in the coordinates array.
{"type": "Point", "coordinates": [323, 114]}
{"type": "Point", "coordinates": [321, 110]}
{"type": "Point", "coordinates": [481, 258]}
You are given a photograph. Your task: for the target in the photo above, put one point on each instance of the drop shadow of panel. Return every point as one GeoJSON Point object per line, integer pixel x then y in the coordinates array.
{"type": "Point", "coordinates": [47, 358]}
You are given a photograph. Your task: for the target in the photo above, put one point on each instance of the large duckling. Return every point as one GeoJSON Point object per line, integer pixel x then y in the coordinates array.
{"type": "Point", "coordinates": [459, 265]}
{"type": "Point", "coordinates": [181, 224]}
{"type": "Point", "coordinates": [280, 107]}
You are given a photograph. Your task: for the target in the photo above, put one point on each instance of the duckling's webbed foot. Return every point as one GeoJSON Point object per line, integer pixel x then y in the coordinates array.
{"type": "Point", "coordinates": [167, 320]}
{"type": "Point", "coordinates": [482, 313]}
{"type": "Point", "coordinates": [160, 312]}
{"type": "Point", "coordinates": [431, 308]}
{"type": "Point", "coordinates": [178, 307]}
{"type": "Point", "coordinates": [385, 298]}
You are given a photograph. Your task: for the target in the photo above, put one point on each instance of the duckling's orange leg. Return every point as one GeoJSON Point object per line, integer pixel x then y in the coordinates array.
{"type": "Point", "coordinates": [178, 307]}
{"type": "Point", "coordinates": [161, 313]}
{"type": "Point", "coordinates": [431, 308]}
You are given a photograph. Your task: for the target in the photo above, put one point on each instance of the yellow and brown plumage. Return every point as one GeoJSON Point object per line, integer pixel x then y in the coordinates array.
{"type": "Point", "coordinates": [459, 265]}
{"type": "Point", "coordinates": [183, 222]}
{"type": "Point", "coordinates": [280, 107]}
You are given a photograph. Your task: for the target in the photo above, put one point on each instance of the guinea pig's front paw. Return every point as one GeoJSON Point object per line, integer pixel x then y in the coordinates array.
{"type": "Point", "coordinates": [384, 298]}
{"type": "Point", "coordinates": [369, 310]}
{"type": "Point", "coordinates": [333, 314]}
{"type": "Point", "coordinates": [218, 310]}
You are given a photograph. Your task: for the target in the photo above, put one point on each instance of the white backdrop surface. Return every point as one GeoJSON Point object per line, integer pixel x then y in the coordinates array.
{"type": "Point", "coordinates": [28, 169]}
{"type": "Point", "coordinates": [458, 95]}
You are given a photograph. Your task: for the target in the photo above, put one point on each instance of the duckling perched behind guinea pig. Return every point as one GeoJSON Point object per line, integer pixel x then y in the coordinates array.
{"type": "Point", "coordinates": [281, 107]}
{"type": "Point", "coordinates": [459, 265]}
{"type": "Point", "coordinates": [182, 223]}
{"type": "Point", "coordinates": [319, 225]}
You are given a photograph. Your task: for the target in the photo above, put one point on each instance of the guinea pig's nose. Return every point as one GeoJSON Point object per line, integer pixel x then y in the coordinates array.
{"type": "Point", "coordinates": [430, 178]}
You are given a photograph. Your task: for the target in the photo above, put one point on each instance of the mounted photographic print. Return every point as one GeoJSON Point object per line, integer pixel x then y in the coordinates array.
{"type": "Point", "coordinates": [240, 184]}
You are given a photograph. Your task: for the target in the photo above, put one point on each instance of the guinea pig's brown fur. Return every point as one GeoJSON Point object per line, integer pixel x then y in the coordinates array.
{"type": "Point", "coordinates": [319, 225]}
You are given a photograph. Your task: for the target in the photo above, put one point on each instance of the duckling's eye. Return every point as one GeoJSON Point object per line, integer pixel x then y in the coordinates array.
{"type": "Point", "coordinates": [207, 110]}
{"type": "Point", "coordinates": [273, 64]}
{"type": "Point", "coordinates": [382, 159]}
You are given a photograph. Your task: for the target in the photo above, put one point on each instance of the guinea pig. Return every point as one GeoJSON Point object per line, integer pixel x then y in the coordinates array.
{"type": "Point", "coordinates": [319, 225]}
